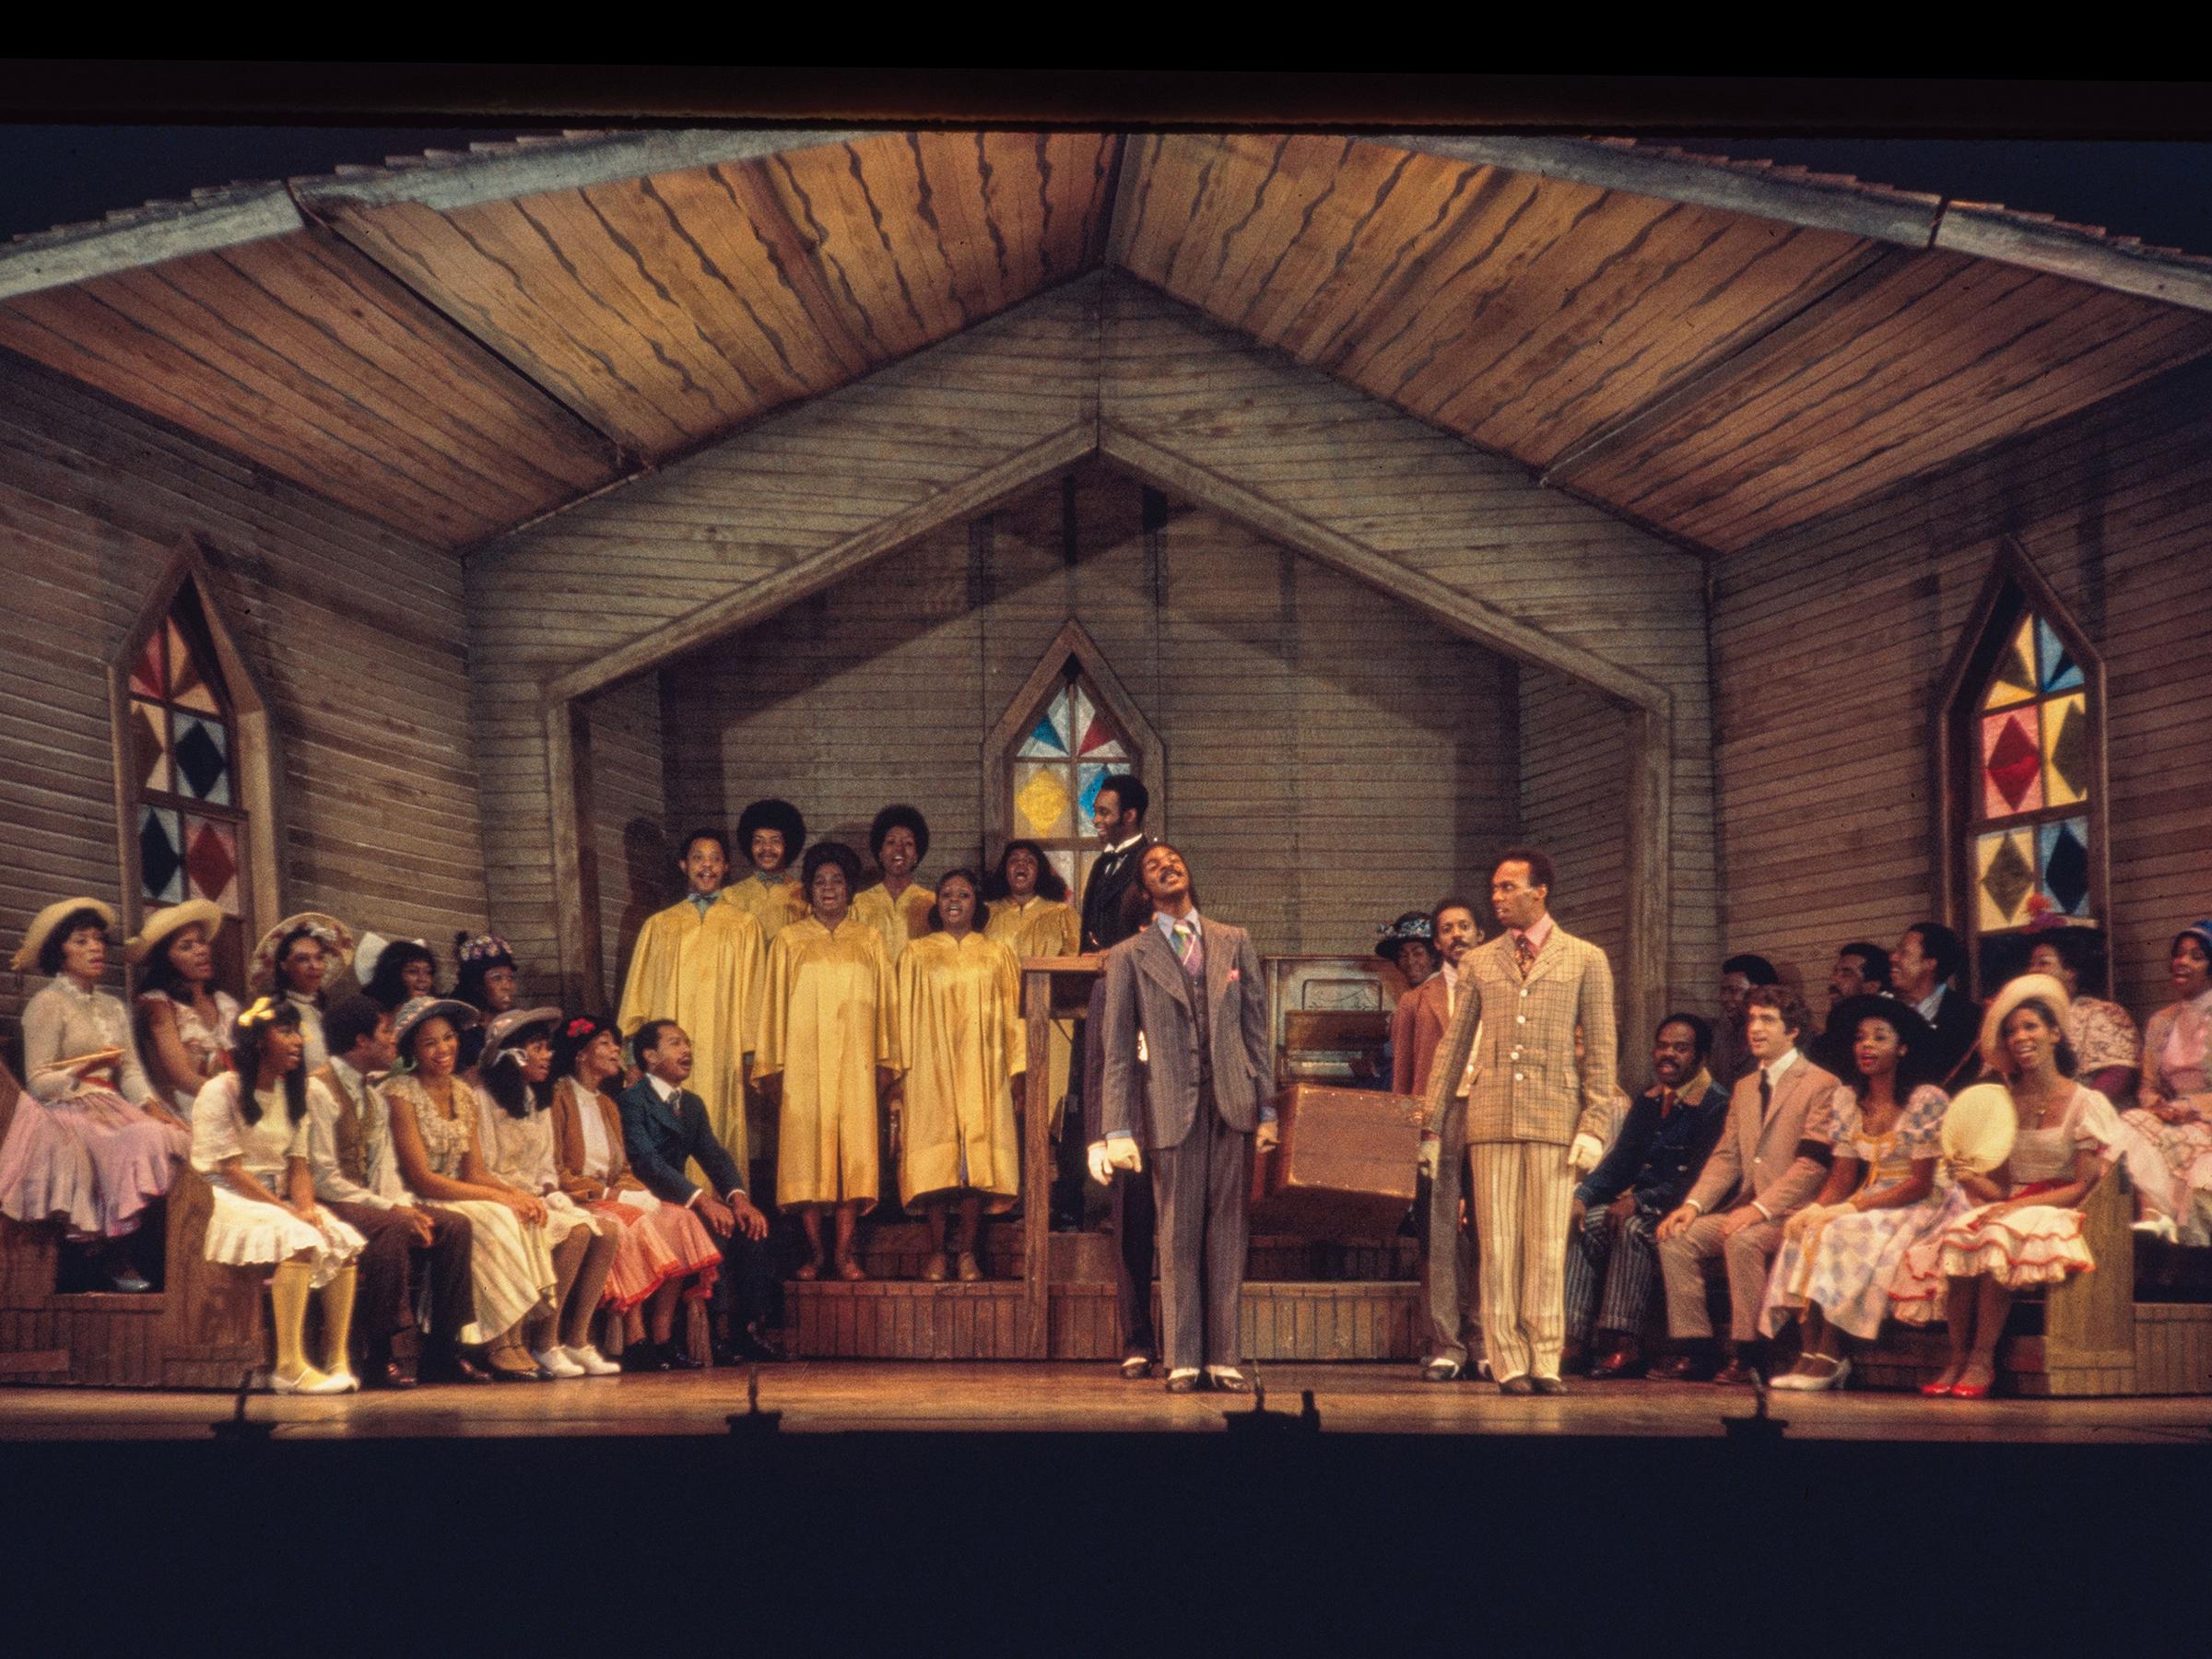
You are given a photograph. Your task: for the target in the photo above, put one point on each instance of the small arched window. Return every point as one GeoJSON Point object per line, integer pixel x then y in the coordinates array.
{"type": "Point", "coordinates": [2025, 796]}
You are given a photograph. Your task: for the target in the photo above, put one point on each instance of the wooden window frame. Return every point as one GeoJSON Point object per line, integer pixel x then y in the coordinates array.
{"type": "Point", "coordinates": [2013, 589]}
{"type": "Point", "coordinates": [255, 793]}
{"type": "Point", "coordinates": [1147, 759]}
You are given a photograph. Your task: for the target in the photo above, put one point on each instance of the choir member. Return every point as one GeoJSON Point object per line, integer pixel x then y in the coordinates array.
{"type": "Point", "coordinates": [393, 972]}
{"type": "Point", "coordinates": [186, 1019]}
{"type": "Point", "coordinates": [435, 1125]}
{"type": "Point", "coordinates": [293, 960]}
{"type": "Point", "coordinates": [898, 906]}
{"type": "Point", "coordinates": [828, 1048]}
{"type": "Point", "coordinates": [1188, 1064]}
{"type": "Point", "coordinates": [2176, 1088]}
{"type": "Point", "coordinates": [516, 1134]}
{"type": "Point", "coordinates": [250, 1138]}
{"type": "Point", "coordinates": [699, 962]}
{"type": "Point", "coordinates": [961, 1044]}
{"type": "Point", "coordinates": [664, 1251]}
{"type": "Point", "coordinates": [2024, 1228]}
{"type": "Point", "coordinates": [772, 835]}
{"type": "Point", "coordinates": [1840, 1252]}
{"type": "Point", "coordinates": [349, 1156]}
{"type": "Point", "coordinates": [91, 1142]}
{"type": "Point", "coordinates": [1027, 905]}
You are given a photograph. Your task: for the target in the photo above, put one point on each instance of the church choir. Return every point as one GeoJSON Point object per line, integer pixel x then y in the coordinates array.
{"type": "Point", "coordinates": [844, 1040]}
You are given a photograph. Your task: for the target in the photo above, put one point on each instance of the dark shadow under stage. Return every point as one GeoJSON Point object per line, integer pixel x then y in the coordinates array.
{"type": "Point", "coordinates": [963, 1398]}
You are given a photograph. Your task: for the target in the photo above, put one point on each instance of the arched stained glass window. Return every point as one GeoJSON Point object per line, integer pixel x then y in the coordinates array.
{"type": "Point", "coordinates": [1073, 746]}
{"type": "Point", "coordinates": [191, 823]}
{"type": "Point", "coordinates": [2027, 810]}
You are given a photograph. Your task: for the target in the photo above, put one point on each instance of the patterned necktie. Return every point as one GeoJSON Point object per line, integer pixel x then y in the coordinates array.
{"type": "Point", "coordinates": [1524, 953]}
{"type": "Point", "coordinates": [1188, 950]}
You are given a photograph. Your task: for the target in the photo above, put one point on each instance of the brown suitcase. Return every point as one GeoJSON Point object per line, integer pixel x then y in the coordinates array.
{"type": "Point", "coordinates": [1345, 1168]}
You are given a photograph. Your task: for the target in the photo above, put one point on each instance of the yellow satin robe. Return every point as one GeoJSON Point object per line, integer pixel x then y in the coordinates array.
{"type": "Point", "coordinates": [705, 975]}
{"type": "Point", "coordinates": [774, 904]}
{"type": "Point", "coordinates": [895, 924]}
{"type": "Point", "coordinates": [963, 1042]}
{"type": "Point", "coordinates": [827, 1022]}
{"type": "Point", "coordinates": [1043, 927]}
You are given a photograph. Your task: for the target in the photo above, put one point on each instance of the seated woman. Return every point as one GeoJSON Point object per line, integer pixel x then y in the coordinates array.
{"type": "Point", "coordinates": [485, 980]}
{"type": "Point", "coordinates": [2175, 1092]}
{"type": "Point", "coordinates": [2103, 1033]}
{"type": "Point", "coordinates": [394, 971]}
{"type": "Point", "coordinates": [291, 961]}
{"type": "Point", "coordinates": [1025, 902]}
{"type": "Point", "coordinates": [664, 1251]}
{"type": "Point", "coordinates": [827, 1047]}
{"type": "Point", "coordinates": [248, 1137]}
{"type": "Point", "coordinates": [187, 1020]}
{"type": "Point", "coordinates": [517, 1139]}
{"type": "Point", "coordinates": [435, 1120]}
{"type": "Point", "coordinates": [963, 1042]}
{"type": "Point", "coordinates": [1839, 1254]}
{"type": "Point", "coordinates": [2019, 1224]}
{"type": "Point", "coordinates": [92, 1144]}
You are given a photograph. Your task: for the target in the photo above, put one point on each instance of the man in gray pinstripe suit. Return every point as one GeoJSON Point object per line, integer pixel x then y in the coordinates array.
{"type": "Point", "coordinates": [1537, 1115]}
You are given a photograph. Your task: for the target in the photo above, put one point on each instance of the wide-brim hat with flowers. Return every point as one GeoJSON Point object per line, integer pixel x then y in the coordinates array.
{"type": "Point", "coordinates": [1411, 926]}
{"type": "Point", "coordinates": [42, 925]}
{"type": "Point", "coordinates": [335, 936]}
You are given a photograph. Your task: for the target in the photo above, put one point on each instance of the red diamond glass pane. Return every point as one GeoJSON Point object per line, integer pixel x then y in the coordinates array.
{"type": "Point", "coordinates": [2012, 765]}
{"type": "Point", "coordinates": [211, 860]}
{"type": "Point", "coordinates": [145, 676]}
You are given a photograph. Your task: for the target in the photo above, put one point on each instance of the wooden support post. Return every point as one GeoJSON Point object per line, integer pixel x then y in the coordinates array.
{"type": "Point", "coordinates": [1036, 1157]}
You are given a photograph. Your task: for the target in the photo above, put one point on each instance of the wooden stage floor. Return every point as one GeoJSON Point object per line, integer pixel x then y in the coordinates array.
{"type": "Point", "coordinates": [826, 1398]}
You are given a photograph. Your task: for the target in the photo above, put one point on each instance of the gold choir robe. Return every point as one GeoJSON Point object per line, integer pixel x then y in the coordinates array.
{"type": "Point", "coordinates": [963, 1042]}
{"type": "Point", "coordinates": [827, 1022]}
{"type": "Point", "coordinates": [706, 975]}
{"type": "Point", "coordinates": [774, 904]}
{"type": "Point", "coordinates": [1044, 928]}
{"type": "Point", "coordinates": [894, 922]}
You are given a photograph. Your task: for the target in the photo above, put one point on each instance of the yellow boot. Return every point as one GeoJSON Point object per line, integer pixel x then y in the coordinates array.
{"type": "Point", "coordinates": [337, 1321]}
{"type": "Point", "coordinates": [288, 1301]}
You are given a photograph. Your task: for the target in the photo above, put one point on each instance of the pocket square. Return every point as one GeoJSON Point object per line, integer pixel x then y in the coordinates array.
{"type": "Point", "coordinates": [1234, 973]}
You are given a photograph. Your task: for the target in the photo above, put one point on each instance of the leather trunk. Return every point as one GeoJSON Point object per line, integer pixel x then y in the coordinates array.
{"type": "Point", "coordinates": [1345, 1168]}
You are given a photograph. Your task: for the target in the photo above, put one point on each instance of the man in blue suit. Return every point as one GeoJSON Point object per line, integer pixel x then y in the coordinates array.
{"type": "Point", "coordinates": [664, 1127]}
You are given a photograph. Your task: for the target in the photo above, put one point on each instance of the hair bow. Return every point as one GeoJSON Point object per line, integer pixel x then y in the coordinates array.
{"type": "Point", "coordinates": [261, 1013]}
{"type": "Point", "coordinates": [579, 1026]}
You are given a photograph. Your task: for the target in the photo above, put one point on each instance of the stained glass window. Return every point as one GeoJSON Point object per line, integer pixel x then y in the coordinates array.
{"type": "Point", "coordinates": [2030, 810]}
{"type": "Point", "coordinates": [182, 746]}
{"type": "Point", "coordinates": [1072, 746]}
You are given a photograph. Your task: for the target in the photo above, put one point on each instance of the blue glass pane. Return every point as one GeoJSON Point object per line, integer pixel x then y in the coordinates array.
{"type": "Point", "coordinates": [2054, 664]}
{"type": "Point", "coordinates": [160, 854]}
{"type": "Point", "coordinates": [2063, 864]}
{"type": "Point", "coordinates": [1088, 776]}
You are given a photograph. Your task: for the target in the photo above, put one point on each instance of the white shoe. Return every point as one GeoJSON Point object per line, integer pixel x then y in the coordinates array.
{"type": "Point", "coordinates": [592, 1363]}
{"type": "Point", "coordinates": [1822, 1384]}
{"type": "Point", "coordinates": [308, 1382]}
{"type": "Point", "coordinates": [344, 1374]}
{"type": "Point", "coordinates": [2157, 1226]}
{"type": "Point", "coordinates": [1789, 1379]}
{"type": "Point", "coordinates": [556, 1360]}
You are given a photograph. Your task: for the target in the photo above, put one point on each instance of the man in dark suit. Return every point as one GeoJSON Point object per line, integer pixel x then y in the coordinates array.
{"type": "Point", "coordinates": [664, 1127]}
{"type": "Point", "coordinates": [1118, 816]}
{"type": "Point", "coordinates": [1187, 1072]}
{"type": "Point", "coordinates": [1923, 970]}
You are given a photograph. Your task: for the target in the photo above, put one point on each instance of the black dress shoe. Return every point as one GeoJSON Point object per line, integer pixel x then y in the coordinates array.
{"type": "Point", "coordinates": [674, 1358]}
{"type": "Point", "coordinates": [1737, 1373]}
{"type": "Point", "coordinates": [459, 1367]}
{"type": "Point", "coordinates": [746, 1349]}
{"type": "Point", "coordinates": [1516, 1385]}
{"type": "Point", "coordinates": [1681, 1368]}
{"type": "Point", "coordinates": [1548, 1385]}
{"type": "Point", "coordinates": [385, 1374]}
{"type": "Point", "coordinates": [1625, 1363]}
{"type": "Point", "coordinates": [1190, 1384]}
{"type": "Point", "coordinates": [643, 1357]}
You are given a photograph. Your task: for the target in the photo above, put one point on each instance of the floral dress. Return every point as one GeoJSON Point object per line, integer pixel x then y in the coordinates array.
{"type": "Point", "coordinates": [2177, 1062]}
{"type": "Point", "coordinates": [1843, 1266]}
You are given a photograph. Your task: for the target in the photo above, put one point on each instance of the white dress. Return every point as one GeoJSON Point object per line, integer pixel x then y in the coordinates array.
{"type": "Point", "coordinates": [243, 1231]}
{"type": "Point", "coordinates": [520, 1152]}
{"type": "Point", "coordinates": [203, 1044]}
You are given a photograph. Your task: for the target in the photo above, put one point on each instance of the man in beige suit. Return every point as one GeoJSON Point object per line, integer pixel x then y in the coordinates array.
{"type": "Point", "coordinates": [1771, 1159]}
{"type": "Point", "coordinates": [1535, 1114]}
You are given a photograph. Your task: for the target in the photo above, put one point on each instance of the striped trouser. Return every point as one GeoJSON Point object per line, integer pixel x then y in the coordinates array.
{"type": "Point", "coordinates": [1523, 1195]}
{"type": "Point", "coordinates": [1611, 1277]}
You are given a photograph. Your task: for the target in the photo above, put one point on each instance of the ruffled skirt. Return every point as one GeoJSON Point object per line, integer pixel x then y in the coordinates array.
{"type": "Point", "coordinates": [246, 1232]}
{"type": "Point", "coordinates": [2035, 1245]}
{"type": "Point", "coordinates": [659, 1243]}
{"type": "Point", "coordinates": [1845, 1267]}
{"type": "Point", "coordinates": [510, 1267]}
{"type": "Point", "coordinates": [94, 1159]}
{"type": "Point", "coordinates": [2180, 1179]}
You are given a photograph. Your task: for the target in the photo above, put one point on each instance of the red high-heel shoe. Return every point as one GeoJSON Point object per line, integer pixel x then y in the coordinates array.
{"type": "Point", "coordinates": [1970, 1391]}
{"type": "Point", "coordinates": [1937, 1391]}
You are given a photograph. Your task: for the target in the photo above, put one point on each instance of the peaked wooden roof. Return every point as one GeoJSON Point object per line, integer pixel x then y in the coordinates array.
{"type": "Point", "coordinates": [456, 345]}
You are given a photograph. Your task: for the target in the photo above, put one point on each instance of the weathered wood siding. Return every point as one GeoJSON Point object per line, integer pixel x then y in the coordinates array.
{"type": "Point", "coordinates": [1573, 751]}
{"type": "Point", "coordinates": [1828, 643]}
{"type": "Point", "coordinates": [628, 864]}
{"type": "Point", "coordinates": [1333, 757]}
{"type": "Point", "coordinates": [355, 630]}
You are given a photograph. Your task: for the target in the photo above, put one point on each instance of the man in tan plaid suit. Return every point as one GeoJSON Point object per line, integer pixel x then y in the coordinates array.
{"type": "Point", "coordinates": [1536, 1115]}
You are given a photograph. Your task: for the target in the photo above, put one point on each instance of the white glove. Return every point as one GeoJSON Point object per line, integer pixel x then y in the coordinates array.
{"type": "Point", "coordinates": [1101, 1169]}
{"type": "Point", "coordinates": [1586, 1155]}
{"type": "Point", "coordinates": [1266, 1137]}
{"type": "Point", "coordinates": [1425, 1161]}
{"type": "Point", "coordinates": [1122, 1154]}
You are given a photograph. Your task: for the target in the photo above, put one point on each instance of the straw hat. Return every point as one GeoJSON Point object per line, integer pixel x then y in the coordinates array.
{"type": "Point", "coordinates": [204, 914]}
{"type": "Point", "coordinates": [335, 936]}
{"type": "Point", "coordinates": [1978, 1127]}
{"type": "Point", "coordinates": [46, 920]}
{"type": "Point", "coordinates": [518, 1019]}
{"type": "Point", "coordinates": [416, 1009]}
{"type": "Point", "coordinates": [2038, 987]}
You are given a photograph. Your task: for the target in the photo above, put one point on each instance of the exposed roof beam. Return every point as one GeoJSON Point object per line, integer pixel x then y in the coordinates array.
{"type": "Point", "coordinates": [1870, 210]}
{"type": "Point", "coordinates": [2045, 245]}
{"type": "Point", "coordinates": [499, 172]}
{"type": "Point", "coordinates": [144, 236]}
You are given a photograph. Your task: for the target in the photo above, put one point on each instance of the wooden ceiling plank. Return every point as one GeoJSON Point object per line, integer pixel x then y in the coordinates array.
{"type": "Point", "coordinates": [1184, 184]}
{"type": "Point", "coordinates": [1085, 172]}
{"type": "Point", "coordinates": [814, 190]}
{"type": "Point", "coordinates": [1240, 170]}
{"type": "Point", "coordinates": [801, 297]}
{"type": "Point", "coordinates": [929, 237]}
{"type": "Point", "coordinates": [1380, 188]}
{"type": "Point", "coordinates": [1004, 178]}
{"type": "Point", "coordinates": [471, 268]}
{"type": "Point", "coordinates": [1140, 151]}
{"type": "Point", "coordinates": [1278, 235]}
{"type": "Point", "coordinates": [951, 162]}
